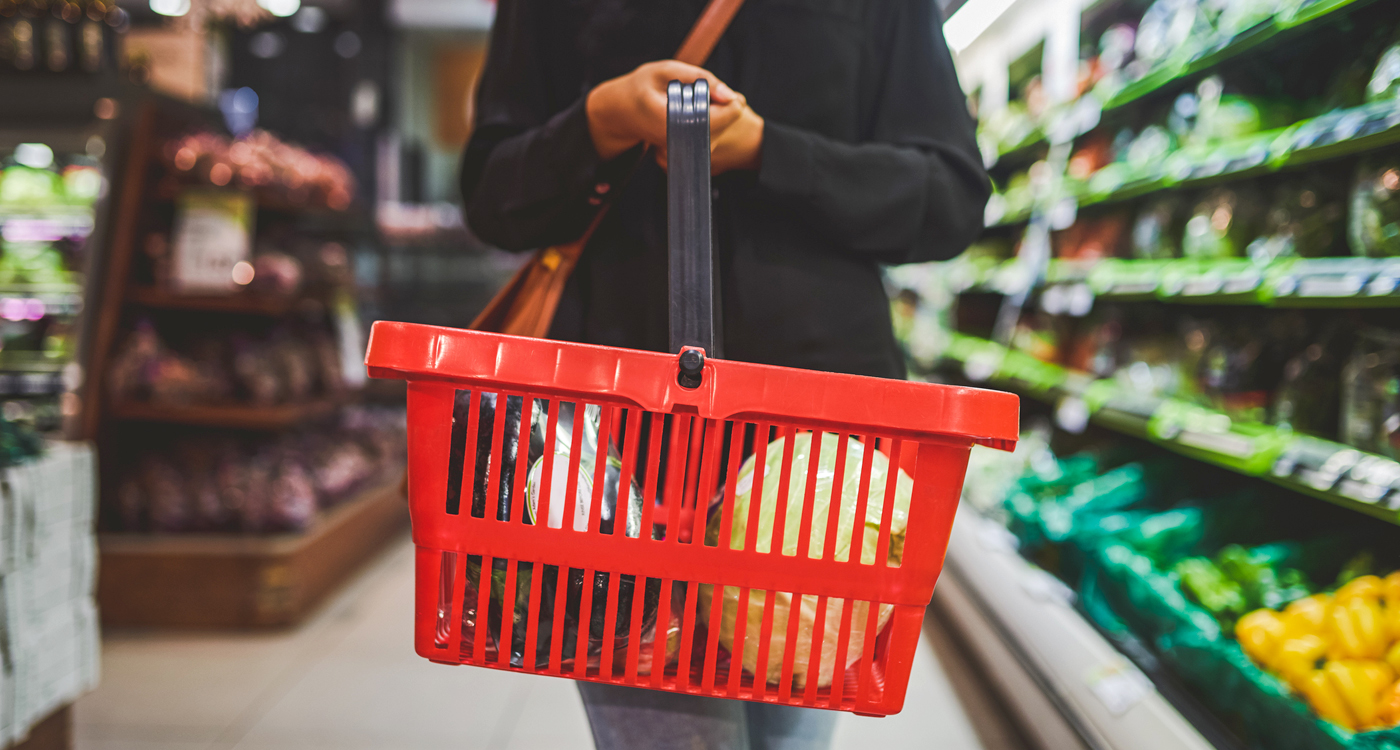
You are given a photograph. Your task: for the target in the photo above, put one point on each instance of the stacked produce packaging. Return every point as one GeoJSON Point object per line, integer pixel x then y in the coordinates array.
{"type": "Point", "coordinates": [48, 561]}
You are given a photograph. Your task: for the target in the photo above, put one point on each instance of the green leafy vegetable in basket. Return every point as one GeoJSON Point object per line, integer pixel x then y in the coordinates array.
{"type": "Point", "coordinates": [820, 512]}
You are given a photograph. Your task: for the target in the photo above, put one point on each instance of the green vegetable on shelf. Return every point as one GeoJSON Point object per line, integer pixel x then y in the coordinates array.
{"type": "Point", "coordinates": [1361, 564]}
{"type": "Point", "coordinates": [32, 263]}
{"type": "Point", "coordinates": [1370, 415]}
{"type": "Point", "coordinates": [1203, 581]}
{"type": "Point", "coordinates": [1239, 16]}
{"type": "Point", "coordinates": [1222, 224]}
{"type": "Point", "coordinates": [1157, 231]}
{"type": "Point", "coordinates": [1305, 220]}
{"type": "Point", "coordinates": [1375, 209]}
{"type": "Point", "coordinates": [1171, 31]}
{"type": "Point", "coordinates": [1385, 81]}
{"type": "Point", "coordinates": [21, 185]}
{"type": "Point", "coordinates": [1262, 582]}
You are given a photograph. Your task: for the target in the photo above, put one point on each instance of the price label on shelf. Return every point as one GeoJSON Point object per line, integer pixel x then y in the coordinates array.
{"type": "Point", "coordinates": [213, 232]}
{"type": "Point", "coordinates": [1224, 443]}
{"type": "Point", "coordinates": [1072, 415]}
{"type": "Point", "coordinates": [1119, 686]}
{"type": "Point", "coordinates": [1045, 587]}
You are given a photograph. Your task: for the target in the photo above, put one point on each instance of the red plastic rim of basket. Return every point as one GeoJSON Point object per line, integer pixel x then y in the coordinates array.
{"type": "Point", "coordinates": [730, 390]}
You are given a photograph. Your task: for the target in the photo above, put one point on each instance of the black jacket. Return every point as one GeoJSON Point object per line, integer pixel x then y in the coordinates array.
{"type": "Point", "coordinates": [868, 158]}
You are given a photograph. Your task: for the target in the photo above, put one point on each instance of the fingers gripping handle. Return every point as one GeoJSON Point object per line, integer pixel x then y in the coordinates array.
{"type": "Point", "coordinates": [692, 277]}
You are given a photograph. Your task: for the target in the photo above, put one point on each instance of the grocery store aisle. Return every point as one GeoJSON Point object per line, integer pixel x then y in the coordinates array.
{"type": "Point", "coordinates": [349, 680]}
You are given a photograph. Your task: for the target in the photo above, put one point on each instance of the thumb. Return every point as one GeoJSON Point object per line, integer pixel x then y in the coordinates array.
{"type": "Point", "coordinates": [720, 93]}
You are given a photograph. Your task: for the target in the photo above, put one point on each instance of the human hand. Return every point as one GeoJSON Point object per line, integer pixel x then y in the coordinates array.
{"type": "Point", "coordinates": [631, 109]}
{"type": "Point", "coordinates": [739, 145]}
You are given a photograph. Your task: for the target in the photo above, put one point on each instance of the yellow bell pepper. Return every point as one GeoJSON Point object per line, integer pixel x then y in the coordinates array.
{"type": "Point", "coordinates": [1358, 629]}
{"type": "Point", "coordinates": [1360, 684]}
{"type": "Point", "coordinates": [1392, 657]}
{"type": "Point", "coordinates": [1307, 616]}
{"type": "Point", "coordinates": [1358, 691]}
{"type": "Point", "coordinates": [1326, 700]}
{"type": "Point", "coordinates": [1379, 673]}
{"type": "Point", "coordinates": [1388, 714]}
{"type": "Point", "coordinates": [1260, 633]}
{"type": "Point", "coordinates": [1364, 587]}
{"type": "Point", "coordinates": [1391, 586]}
{"type": "Point", "coordinates": [1296, 659]}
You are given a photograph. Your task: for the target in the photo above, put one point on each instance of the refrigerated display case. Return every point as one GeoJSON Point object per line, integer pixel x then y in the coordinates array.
{"type": "Point", "coordinates": [1185, 264]}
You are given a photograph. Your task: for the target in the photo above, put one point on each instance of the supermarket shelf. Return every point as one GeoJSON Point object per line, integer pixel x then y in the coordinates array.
{"type": "Point", "coordinates": [267, 199]}
{"type": "Point", "coordinates": [1336, 473]}
{"type": "Point", "coordinates": [1335, 135]}
{"type": "Point", "coordinates": [1294, 282]}
{"type": "Point", "coordinates": [238, 581]}
{"type": "Point", "coordinates": [1023, 153]}
{"type": "Point", "coordinates": [1012, 220]}
{"type": "Point", "coordinates": [1067, 685]}
{"type": "Point", "coordinates": [1271, 34]}
{"type": "Point", "coordinates": [52, 733]}
{"type": "Point", "coordinates": [245, 303]}
{"type": "Point", "coordinates": [232, 416]}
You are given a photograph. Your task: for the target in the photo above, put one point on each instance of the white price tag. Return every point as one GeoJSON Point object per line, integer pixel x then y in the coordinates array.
{"type": "Point", "coordinates": [213, 231]}
{"type": "Point", "coordinates": [1044, 587]}
{"type": "Point", "coordinates": [1227, 443]}
{"type": "Point", "coordinates": [1072, 415]}
{"type": "Point", "coordinates": [995, 538]}
{"type": "Point", "coordinates": [1119, 687]}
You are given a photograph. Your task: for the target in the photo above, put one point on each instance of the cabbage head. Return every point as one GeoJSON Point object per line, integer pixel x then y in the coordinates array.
{"type": "Point", "coordinates": [807, 608]}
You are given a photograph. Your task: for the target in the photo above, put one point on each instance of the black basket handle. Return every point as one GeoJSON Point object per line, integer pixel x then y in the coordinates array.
{"type": "Point", "coordinates": [692, 277]}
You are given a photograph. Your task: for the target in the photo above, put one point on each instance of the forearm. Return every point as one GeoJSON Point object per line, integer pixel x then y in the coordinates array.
{"type": "Point", "coordinates": [899, 203]}
{"type": "Point", "coordinates": [531, 188]}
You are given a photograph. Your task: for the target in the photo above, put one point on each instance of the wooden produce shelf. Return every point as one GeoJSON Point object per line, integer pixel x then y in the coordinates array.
{"type": "Point", "coordinates": [232, 416]}
{"type": "Point", "coordinates": [224, 581]}
{"type": "Point", "coordinates": [268, 305]}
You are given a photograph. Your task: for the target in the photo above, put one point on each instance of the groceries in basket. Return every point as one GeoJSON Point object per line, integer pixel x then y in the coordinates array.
{"type": "Point", "coordinates": [553, 491]}
{"type": "Point", "coordinates": [556, 485]}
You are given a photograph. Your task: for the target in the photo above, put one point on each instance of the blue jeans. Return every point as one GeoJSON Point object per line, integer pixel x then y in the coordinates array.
{"type": "Point", "coordinates": [626, 718]}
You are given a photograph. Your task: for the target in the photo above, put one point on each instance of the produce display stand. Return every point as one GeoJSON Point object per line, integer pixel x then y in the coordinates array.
{"type": "Point", "coordinates": [210, 580]}
{"type": "Point", "coordinates": [1066, 685]}
{"type": "Point", "coordinates": [240, 581]}
{"type": "Point", "coordinates": [1016, 325]}
{"type": "Point", "coordinates": [53, 733]}
{"type": "Point", "coordinates": [72, 115]}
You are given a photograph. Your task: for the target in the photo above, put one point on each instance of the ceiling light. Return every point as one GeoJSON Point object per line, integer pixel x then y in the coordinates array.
{"type": "Point", "coordinates": [971, 21]}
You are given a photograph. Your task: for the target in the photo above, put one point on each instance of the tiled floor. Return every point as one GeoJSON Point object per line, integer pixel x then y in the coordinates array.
{"type": "Point", "coordinates": [349, 680]}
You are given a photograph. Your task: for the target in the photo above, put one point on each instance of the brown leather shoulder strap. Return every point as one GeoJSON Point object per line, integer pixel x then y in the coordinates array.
{"type": "Point", "coordinates": [705, 34]}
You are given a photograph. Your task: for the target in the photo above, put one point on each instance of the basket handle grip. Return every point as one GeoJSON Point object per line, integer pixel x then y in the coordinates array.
{"type": "Point", "coordinates": [693, 288]}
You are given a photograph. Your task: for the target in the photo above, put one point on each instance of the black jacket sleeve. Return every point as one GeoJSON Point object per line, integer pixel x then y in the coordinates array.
{"type": "Point", "coordinates": [528, 171]}
{"type": "Point", "coordinates": [916, 189]}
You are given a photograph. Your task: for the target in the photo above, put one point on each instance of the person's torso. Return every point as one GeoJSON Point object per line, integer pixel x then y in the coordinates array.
{"type": "Point", "coordinates": [791, 294]}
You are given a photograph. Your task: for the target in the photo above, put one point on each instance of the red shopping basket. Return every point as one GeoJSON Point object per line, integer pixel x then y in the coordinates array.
{"type": "Point", "coordinates": [710, 548]}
